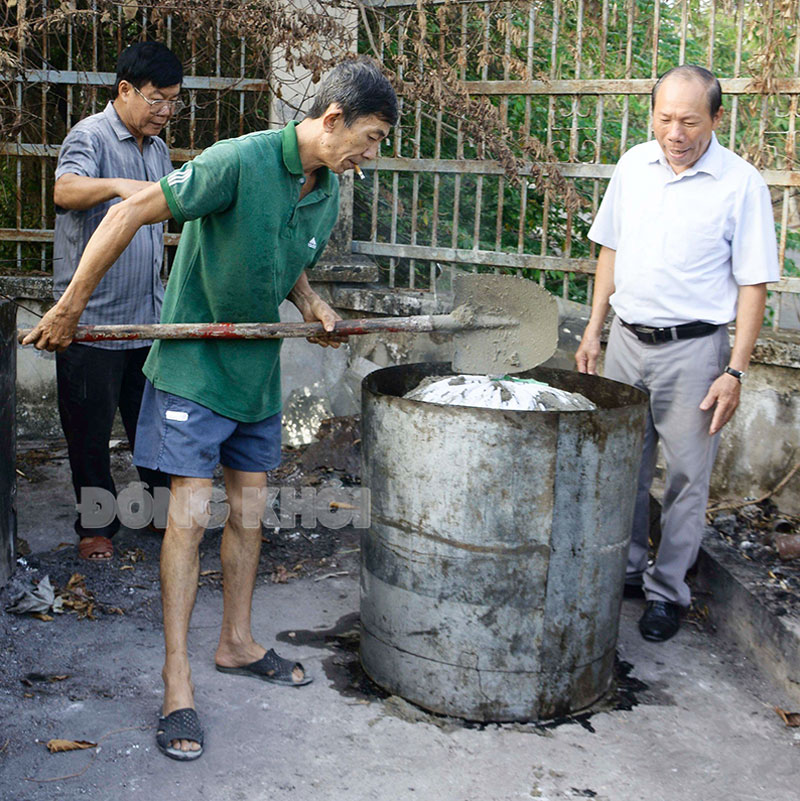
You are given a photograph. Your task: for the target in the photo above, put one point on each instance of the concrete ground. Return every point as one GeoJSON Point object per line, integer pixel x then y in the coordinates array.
{"type": "Point", "coordinates": [693, 719]}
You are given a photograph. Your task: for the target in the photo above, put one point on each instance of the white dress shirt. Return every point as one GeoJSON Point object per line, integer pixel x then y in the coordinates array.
{"type": "Point", "coordinates": [685, 243]}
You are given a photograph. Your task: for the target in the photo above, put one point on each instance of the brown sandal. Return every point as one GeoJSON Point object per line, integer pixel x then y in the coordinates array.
{"type": "Point", "coordinates": [95, 549]}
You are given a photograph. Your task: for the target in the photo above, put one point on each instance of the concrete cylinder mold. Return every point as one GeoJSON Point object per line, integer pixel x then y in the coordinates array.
{"type": "Point", "coordinates": [492, 573]}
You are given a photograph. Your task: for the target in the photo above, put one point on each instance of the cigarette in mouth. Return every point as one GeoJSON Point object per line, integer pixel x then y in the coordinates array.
{"type": "Point", "coordinates": [359, 172]}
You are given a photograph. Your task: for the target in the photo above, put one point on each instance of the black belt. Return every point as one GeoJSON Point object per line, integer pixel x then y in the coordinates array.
{"type": "Point", "coordinates": [653, 336]}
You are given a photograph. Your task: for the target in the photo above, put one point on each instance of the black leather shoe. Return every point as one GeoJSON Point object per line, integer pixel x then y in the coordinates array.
{"type": "Point", "coordinates": [660, 621]}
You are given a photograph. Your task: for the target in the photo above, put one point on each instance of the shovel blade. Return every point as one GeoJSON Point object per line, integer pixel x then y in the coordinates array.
{"type": "Point", "coordinates": [530, 337]}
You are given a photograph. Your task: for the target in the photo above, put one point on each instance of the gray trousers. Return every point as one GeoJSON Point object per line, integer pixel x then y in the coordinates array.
{"type": "Point", "coordinates": [676, 376]}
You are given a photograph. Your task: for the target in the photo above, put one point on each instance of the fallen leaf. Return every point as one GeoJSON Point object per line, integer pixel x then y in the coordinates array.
{"type": "Point", "coordinates": [30, 678]}
{"type": "Point", "coordinates": [791, 719]}
{"type": "Point", "coordinates": [113, 610]}
{"type": "Point", "coordinates": [76, 582]}
{"type": "Point", "coordinates": [58, 746]}
{"type": "Point", "coordinates": [210, 572]}
{"type": "Point", "coordinates": [282, 575]}
{"type": "Point", "coordinates": [133, 555]}
{"type": "Point", "coordinates": [39, 599]}
{"type": "Point", "coordinates": [42, 616]}
{"type": "Point", "coordinates": [28, 695]}
{"type": "Point", "coordinates": [127, 567]}
{"type": "Point", "coordinates": [62, 545]}
{"type": "Point", "coordinates": [77, 598]}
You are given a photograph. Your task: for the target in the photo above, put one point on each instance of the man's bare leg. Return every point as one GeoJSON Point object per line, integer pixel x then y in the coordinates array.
{"type": "Point", "coordinates": [239, 553]}
{"type": "Point", "coordinates": [180, 568]}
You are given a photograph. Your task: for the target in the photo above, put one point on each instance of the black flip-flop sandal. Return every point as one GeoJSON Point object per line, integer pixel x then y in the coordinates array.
{"type": "Point", "coordinates": [272, 668]}
{"type": "Point", "coordinates": [182, 724]}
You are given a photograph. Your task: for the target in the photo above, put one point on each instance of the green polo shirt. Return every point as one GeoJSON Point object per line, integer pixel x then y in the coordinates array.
{"type": "Point", "coordinates": [247, 238]}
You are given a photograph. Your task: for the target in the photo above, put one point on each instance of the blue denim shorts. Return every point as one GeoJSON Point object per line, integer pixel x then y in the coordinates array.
{"type": "Point", "coordinates": [183, 438]}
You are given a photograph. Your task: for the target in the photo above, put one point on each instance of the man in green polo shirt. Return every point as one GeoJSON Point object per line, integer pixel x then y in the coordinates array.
{"type": "Point", "coordinates": [258, 211]}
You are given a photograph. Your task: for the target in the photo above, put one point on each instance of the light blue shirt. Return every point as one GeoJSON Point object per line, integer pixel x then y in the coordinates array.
{"type": "Point", "coordinates": [131, 291]}
{"type": "Point", "coordinates": [685, 242]}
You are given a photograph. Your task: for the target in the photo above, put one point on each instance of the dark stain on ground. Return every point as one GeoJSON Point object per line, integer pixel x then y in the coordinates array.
{"type": "Point", "coordinates": [343, 668]}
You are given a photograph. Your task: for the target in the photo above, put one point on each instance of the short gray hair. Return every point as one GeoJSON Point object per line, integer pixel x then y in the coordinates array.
{"type": "Point", "coordinates": [706, 77]}
{"type": "Point", "coordinates": [359, 86]}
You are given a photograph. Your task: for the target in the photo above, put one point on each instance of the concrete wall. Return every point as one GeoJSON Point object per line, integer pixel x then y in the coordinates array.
{"type": "Point", "coordinates": [8, 476]}
{"type": "Point", "coordinates": [37, 404]}
{"type": "Point", "coordinates": [758, 447]}
{"type": "Point", "coordinates": [762, 442]}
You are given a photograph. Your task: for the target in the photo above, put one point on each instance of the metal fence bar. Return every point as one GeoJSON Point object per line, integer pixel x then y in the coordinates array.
{"type": "Point", "coordinates": [599, 114]}
{"type": "Point", "coordinates": [398, 145]}
{"type": "Point", "coordinates": [612, 86]}
{"type": "Point", "coordinates": [71, 78]}
{"type": "Point", "coordinates": [455, 167]}
{"type": "Point", "coordinates": [712, 32]}
{"type": "Point", "coordinates": [459, 137]}
{"type": "Point", "coordinates": [217, 73]}
{"type": "Point", "coordinates": [523, 208]}
{"type": "Point", "coordinates": [684, 26]}
{"type": "Point", "coordinates": [498, 230]}
{"type": "Point", "coordinates": [437, 178]}
{"type": "Point", "coordinates": [476, 258]}
{"type": "Point", "coordinates": [415, 187]}
{"type": "Point", "coordinates": [476, 229]}
{"type": "Point", "coordinates": [623, 137]}
{"type": "Point", "coordinates": [790, 149]}
{"type": "Point", "coordinates": [573, 139]}
{"type": "Point", "coordinates": [654, 62]}
{"type": "Point", "coordinates": [43, 161]}
{"type": "Point", "coordinates": [373, 230]}
{"type": "Point", "coordinates": [737, 68]}
{"type": "Point", "coordinates": [550, 124]}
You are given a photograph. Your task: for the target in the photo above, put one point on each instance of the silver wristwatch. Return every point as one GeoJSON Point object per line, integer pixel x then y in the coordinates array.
{"type": "Point", "coordinates": [739, 375]}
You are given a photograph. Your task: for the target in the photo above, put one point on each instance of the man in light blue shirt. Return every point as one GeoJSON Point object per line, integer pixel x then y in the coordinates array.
{"type": "Point", "coordinates": [687, 245]}
{"type": "Point", "coordinates": [106, 158]}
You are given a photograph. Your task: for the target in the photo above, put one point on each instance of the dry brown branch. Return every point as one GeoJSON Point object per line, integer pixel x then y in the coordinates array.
{"type": "Point", "coordinates": [741, 504]}
{"type": "Point", "coordinates": [311, 37]}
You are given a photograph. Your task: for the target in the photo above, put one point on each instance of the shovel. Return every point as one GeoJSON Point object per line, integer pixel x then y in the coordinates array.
{"type": "Point", "coordinates": [500, 324]}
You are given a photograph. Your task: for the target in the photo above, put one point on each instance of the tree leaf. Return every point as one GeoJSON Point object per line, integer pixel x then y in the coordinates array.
{"type": "Point", "coordinates": [57, 746]}
{"type": "Point", "coordinates": [791, 719]}
{"type": "Point", "coordinates": [129, 8]}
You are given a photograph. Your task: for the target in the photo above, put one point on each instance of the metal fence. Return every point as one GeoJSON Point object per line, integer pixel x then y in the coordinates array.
{"type": "Point", "coordinates": [57, 63]}
{"type": "Point", "coordinates": [576, 74]}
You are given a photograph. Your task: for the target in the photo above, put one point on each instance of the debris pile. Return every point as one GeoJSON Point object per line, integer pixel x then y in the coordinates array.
{"type": "Point", "coordinates": [42, 600]}
{"type": "Point", "coordinates": [507, 392]}
{"type": "Point", "coordinates": [771, 540]}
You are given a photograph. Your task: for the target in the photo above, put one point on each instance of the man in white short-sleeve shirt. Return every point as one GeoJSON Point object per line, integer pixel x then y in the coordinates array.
{"type": "Point", "coordinates": [687, 245]}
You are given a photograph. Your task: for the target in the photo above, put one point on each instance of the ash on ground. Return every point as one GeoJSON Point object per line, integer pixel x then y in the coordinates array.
{"type": "Point", "coordinates": [750, 532]}
{"type": "Point", "coordinates": [513, 394]}
{"type": "Point", "coordinates": [129, 585]}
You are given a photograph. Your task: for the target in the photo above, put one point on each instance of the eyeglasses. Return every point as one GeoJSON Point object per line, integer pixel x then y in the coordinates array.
{"type": "Point", "coordinates": [160, 105]}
